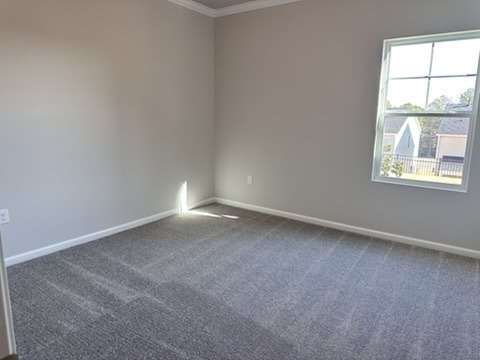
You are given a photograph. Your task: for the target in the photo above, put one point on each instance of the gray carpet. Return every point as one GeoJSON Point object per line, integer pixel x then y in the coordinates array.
{"type": "Point", "coordinates": [244, 285]}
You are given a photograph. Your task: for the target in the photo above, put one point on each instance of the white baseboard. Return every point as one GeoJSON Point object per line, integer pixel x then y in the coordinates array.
{"type": "Point", "coordinates": [355, 229]}
{"type": "Point", "coordinates": [201, 203]}
{"type": "Point", "coordinates": [29, 255]}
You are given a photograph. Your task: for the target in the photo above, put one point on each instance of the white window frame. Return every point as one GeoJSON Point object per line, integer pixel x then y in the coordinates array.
{"type": "Point", "coordinates": [382, 112]}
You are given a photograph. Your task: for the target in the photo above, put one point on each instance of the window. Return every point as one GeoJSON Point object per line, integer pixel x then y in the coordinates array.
{"type": "Point", "coordinates": [427, 108]}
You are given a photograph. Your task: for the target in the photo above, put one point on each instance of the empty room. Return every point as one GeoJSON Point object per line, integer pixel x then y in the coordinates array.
{"type": "Point", "coordinates": [233, 179]}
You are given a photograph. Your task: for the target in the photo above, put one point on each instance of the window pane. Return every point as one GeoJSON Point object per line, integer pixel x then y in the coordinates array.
{"type": "Point", "coordinates": [427, 75]}
{"type": "Point", "coordinates": [424, 148]}
{"type": "Point", "coordinates": [410, 60]}
{"type": "Point", "coordinates": [456, 57]}
{"type": "Point", "coordinates": [402, 92]}
{"type": "Point", "coordinates": [450, 90]}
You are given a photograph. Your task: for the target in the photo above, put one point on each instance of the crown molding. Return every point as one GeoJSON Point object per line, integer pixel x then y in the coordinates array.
{"type": "Point", "coordinates": [192, 5]}
{"type": "Point", "coordinates": [230, 10]}
{"type": "Point", "coordinates": [252, 5]}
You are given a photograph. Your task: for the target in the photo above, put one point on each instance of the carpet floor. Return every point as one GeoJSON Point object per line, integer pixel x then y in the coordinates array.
{"type": "Point", "coordinates": [226, 283]}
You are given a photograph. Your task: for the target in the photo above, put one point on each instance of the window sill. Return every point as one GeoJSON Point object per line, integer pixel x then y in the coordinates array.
{"type": "Point", "coordinates": [447, 186]}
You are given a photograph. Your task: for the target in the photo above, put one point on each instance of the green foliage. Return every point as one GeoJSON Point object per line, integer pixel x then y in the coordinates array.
{"type": "Point", "coordinates": [467, 96]}
{"type": "Point", "coordinates": [397, 168]}
{"type": "Point", "coordinates": [440, 103]}
{"type": "Point", "coordinates": [386, 163]}
{"type": "Point", "coordinates": [428, 136]}
{"type": "Point", "coordinates": [410, 106]}
{"type": "Point", "coordinates": [390, 166]}
{"type": "Point", "coordinates": [429, 126]}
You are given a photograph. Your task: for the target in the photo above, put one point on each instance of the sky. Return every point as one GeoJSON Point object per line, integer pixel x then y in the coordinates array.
{"type": "Point", "coordinates": [452, 58]}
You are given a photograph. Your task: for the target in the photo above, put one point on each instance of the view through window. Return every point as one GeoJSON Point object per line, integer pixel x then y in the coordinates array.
{"type": "Point", "coordinates": [428, 104]}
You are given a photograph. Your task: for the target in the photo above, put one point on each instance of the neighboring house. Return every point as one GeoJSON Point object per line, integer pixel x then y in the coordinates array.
{"type": "Point", "coordinates": [452, 143]}
{"type": "Point", "coordinates": [452, 135]}
{"type": "Point", "coordinates": [402, 133]}
{"type": "Point", "coordinates": [451, 146]}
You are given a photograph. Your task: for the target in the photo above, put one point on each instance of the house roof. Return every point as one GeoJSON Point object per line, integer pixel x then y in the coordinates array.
{"type": "Point", "coordinates": [455, 126]}
{"type": "Point", "coordinates": [393, 124]}
{"type": "Point", "coordinates": [458, 107]}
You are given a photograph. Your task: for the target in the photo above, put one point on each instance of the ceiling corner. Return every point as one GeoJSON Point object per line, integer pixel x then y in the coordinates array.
{"type": "Point", "coordinates": [230, 10]}
{"type": "Point", "coordinates": [192, 5]}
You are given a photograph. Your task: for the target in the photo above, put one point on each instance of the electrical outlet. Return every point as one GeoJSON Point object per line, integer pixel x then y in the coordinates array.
{"type": "Point", "coordinates": [4, 217]}
{"type": "Point", "coordinates": [249, 179]}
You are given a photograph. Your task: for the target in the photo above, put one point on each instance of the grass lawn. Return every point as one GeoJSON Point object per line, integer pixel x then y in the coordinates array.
{"type": "Point", "coordinates": [439, 179]}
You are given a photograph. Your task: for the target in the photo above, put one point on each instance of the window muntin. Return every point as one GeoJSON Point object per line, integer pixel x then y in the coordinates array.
{"type": "Point", "coordinates": [428, 101]}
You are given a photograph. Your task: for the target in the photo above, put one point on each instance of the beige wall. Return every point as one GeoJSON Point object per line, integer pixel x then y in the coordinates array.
{"type": "Point", "coordinates": [296, 100]}
{"type": "Point", "coordinates": [451, 145]}
{"type": "Point", "coordinates": [106, 107]}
